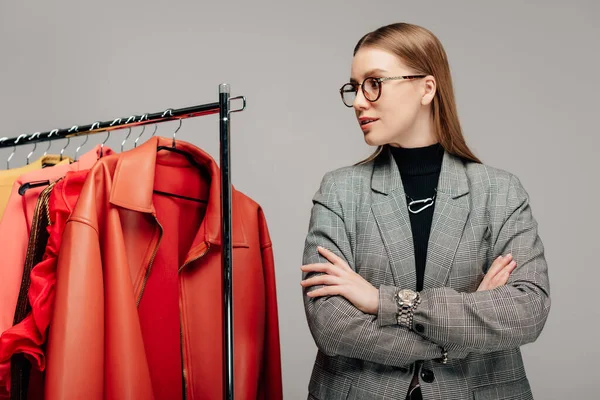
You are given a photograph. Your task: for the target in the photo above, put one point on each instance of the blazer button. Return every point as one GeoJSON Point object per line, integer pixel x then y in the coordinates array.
{"type": "Point", "coordinates": [427, 376]}
{"type": "Point", "coordinates": [419, 328]}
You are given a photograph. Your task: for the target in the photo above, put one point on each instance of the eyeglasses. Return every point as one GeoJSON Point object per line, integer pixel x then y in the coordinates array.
{"type": "Point", "coordinates": [371, 88]}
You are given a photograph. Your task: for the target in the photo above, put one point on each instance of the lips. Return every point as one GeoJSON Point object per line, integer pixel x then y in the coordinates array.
{"type": "Point", "coordinates": [366, 120]}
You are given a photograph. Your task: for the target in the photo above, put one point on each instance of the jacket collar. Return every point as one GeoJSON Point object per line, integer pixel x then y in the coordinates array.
{"type": "Point", "coordinates": [452, 181]}
{"type": "Point", "coordinates": [136, 167]}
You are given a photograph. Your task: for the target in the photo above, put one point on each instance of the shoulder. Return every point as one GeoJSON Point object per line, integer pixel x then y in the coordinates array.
{"type": "Point", "coordinates": [348, 177]}
{"type": "Point", "coordinates": [496, 183]}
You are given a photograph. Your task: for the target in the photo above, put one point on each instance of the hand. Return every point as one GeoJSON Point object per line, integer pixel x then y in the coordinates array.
{"type": "Point", "coordinates": [498, 273]}
{"type": "Point", "coordinates": [341, 280]}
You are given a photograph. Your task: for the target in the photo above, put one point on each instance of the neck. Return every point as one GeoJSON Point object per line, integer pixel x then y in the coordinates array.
{"type": "Point", "coordinates": [421, 134]}
{"type": "Point", "coordinates": [419, 160]}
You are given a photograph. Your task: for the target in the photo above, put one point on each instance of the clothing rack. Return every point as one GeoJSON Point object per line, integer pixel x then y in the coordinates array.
{"type": "Point", "coordinates": [224, 109]}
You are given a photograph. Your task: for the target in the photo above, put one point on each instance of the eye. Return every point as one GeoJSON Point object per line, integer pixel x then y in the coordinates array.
{"type": "Point", "coordinates": [372, 84]}
{"type": "Point", "coordinates": [350, 88]}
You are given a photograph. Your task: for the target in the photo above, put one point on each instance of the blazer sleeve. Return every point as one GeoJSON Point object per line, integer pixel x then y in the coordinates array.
{"type": "Point", "coordinates": [508, 316]}
{"type": "Point", "coordinates": [337, 326]}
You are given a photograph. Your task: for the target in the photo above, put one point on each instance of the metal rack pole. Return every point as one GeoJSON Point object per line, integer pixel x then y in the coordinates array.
{"type": "Point", "coordinates": [224, 91]}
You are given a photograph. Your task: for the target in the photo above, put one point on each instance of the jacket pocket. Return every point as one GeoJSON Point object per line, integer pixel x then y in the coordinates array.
{"type": "Point", "coordinates": [326, 385]}
{"type": "Point", "coordinates": [515, 390]}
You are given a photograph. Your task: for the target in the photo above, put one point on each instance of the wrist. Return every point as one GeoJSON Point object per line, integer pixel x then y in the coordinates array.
{"type": "Point", "coordinates": [375, 302]}
{"type": "Point", "coordinates": [407, 302]}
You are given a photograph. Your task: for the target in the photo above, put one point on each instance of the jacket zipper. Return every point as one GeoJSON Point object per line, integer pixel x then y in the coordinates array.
{"type": "Point", "coordinates": [184, 372]}
{"type": "Point", "coordinates": [151, 262]}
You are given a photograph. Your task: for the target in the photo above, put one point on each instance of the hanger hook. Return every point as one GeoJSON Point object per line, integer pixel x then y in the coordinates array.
{"type": "Point", "coordinates": [142, 118]}
{"type": "Point", "coordinates": [155, 129]}
{"type": "Point", "coordinates": [53, 132]}
{"type": "Point", "coordinates": [80, 146]}
{"type": "Point", "coordinates": [116, 121]}
{"type": "Point", "coordinates": [4, 139]}
{"type": "Point", "coordinates": [35, 135]}
{"type": "Point", "coordinates": [23, 136]}
{"type": "Point", "coordinates": [95, 125]}
{"type": "Point", "coordinates": [63, 149]}
{"type": "Point", "coordinates": [74, 128]}
{"type": "Point", "coordinates": [132, 118]}
{"type": "Point", "coordinates": [176, 130]}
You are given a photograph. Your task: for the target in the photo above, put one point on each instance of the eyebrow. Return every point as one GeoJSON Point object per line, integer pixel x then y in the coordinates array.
{"type": "Point", "coordinates": [368, 73]}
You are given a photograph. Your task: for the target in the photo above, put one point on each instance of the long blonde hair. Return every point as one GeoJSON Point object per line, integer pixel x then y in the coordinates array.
{"type": "Point", "coordinates": [422, 51]}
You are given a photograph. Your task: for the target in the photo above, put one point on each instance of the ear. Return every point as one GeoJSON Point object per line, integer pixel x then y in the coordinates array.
{"type": "Point", "coordinates": [429, 89]}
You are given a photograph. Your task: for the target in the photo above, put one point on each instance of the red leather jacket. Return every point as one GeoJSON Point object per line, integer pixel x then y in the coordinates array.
{"type": "Point", "coordinates": [138, 309]}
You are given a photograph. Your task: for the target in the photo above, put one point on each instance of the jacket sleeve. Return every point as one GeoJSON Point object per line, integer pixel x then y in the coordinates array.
{"type": "Point", "coordinates": [78, 297]}
{"type": "Point", "coordinates": [271, 385]}
{"type": "Point", "coordinates": [14, 236]}
{"type": "Point", "coordinates": [508, 316]}
{"type": "Point", "coordinates": [337, 326]}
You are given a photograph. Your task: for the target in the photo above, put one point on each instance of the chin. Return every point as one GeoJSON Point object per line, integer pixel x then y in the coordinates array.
{"type": "Point", "coordinates": [374, 140]}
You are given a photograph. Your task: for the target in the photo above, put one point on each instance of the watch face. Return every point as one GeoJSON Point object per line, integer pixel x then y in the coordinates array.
{"type": "Point", "coordinates": [407, 295]}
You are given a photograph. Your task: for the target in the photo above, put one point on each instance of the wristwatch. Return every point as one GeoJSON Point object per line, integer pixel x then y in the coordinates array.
{"type": "Point", "coordinates": [407, 301]}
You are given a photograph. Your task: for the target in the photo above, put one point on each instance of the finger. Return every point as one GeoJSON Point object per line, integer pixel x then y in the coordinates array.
{"type": "Point", "coordinates": [498, 264]}
{"type": "Point", "coordinates": [333, 258]}
{"type": "Point", "coordinates": [320, 280]}
{"type": "Point", "coordinates": [324, 291]}
{"type": "Point", "coordinates": [320, 267]}
{"type": "Point", "coordinates": [511, 267]}
{"type": "Point", "coordinates": [501, 280]}
{"type": "Point", "coordinates": [508, 268]}
{"type": "Point", "coordinates": [502, 276]}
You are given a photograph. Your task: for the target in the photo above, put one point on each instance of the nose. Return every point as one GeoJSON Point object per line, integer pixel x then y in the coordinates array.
{"type": "Point", "coordinates": [360, 102]}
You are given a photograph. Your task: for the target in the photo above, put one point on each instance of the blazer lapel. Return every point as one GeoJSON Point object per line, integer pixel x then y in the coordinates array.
{"type": "Point", "coordinates": [451, 211]}
{"type": "Point", "coordinates": [391, 213]}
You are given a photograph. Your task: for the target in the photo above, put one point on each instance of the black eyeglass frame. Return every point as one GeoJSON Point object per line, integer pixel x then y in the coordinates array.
{"type": "Point", "coordinates": [378, 80]}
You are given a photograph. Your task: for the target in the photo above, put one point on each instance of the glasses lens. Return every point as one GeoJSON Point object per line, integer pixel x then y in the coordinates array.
{"type": "Point", "coordinates": [371, 88]}
{"type": "Point", "coordinates": [348, 93]}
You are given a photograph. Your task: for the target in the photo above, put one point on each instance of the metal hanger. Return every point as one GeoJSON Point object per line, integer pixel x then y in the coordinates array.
{"type": "Point", "coordinates": [37, 134]}
{"type": "Point", "coordinates": [132, 118]}
{"type": "Point", "coordinates": [80, 146]}
{"type": "Point", "coordinates": [188, 156]}
{"type": "Point", "coordinates": [74, 128]}
{"type": "Point", "coordinates": [117, 120]}
{"type": "Point", "coordinates": [3, 139]}
{"type": "Point", "coordinates": [142, 118]}
{"type": "Point", "coordinates": [53, 132]}
{"type": "Point", "coordinates": [95, 125]}
{"type": "Point", "coordinates": [23, 136]}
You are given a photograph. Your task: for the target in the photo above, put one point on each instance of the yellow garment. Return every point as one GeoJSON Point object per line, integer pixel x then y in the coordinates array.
{"type": "Point", "coordinates": [9, 176]}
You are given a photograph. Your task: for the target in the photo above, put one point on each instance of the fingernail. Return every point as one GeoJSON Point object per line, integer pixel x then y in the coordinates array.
{"type": "Point", "coordinates": [509, 255]}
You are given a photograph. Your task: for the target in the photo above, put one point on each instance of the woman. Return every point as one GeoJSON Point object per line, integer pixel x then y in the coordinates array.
{"type": "Point", "coordinates": [423, 271]}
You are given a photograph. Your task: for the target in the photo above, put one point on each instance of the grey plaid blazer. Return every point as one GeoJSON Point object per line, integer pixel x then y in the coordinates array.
{"type": "Point", "coordinates": [480, 212]}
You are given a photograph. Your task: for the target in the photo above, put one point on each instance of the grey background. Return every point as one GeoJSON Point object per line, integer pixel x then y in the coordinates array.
{"type": "Point", "coordinates": [526, 84]}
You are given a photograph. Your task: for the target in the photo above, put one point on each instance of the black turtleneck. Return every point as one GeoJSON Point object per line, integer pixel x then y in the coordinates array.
{"type": "Point", "coordinates": [420, 170]}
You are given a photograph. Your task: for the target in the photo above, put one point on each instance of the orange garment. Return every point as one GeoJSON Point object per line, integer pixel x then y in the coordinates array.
{"type": "Point", "coordinates": [9, 176]}
{"type": "Point", "coordinates": [29, 335]}
{"type": "Point", "coordinates": [14, 235]}
{"type": "Point", "coordinates": [125, 246]}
